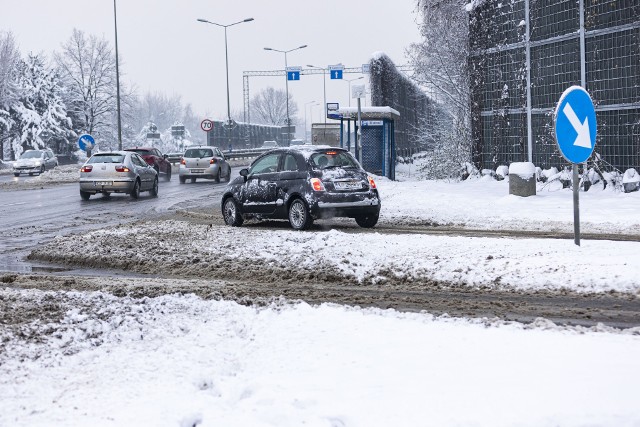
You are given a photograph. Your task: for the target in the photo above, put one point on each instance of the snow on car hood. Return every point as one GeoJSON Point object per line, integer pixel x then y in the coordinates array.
{"type": "Point", "coordinates": [28, 162]}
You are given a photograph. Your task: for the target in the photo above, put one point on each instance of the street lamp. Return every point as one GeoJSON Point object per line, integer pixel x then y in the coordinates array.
{"type": "Point", "coordinates": [349, 81]}
{"type": "Point", "coordinates": [312, 103]}
{"type": "Point", "coordinates": [226, 55]}
{"type": "Point", "coordinates": [286, 80]}
{"type": "Point", "coordinates": [115, 25]}
{"type": "Point", "coordinates": [324, 89]}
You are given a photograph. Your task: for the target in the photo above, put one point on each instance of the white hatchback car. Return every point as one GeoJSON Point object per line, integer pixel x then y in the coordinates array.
{"type": "Point", "coordinates": [204, 162]}
{"type": "Point", "coordinates": [35, 161]}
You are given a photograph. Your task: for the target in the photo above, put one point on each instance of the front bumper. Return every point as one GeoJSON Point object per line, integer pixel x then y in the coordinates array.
{"type": "Point", "coordinates": [27, 169]}
{"type": "Point", "coordinates": [106, 186]}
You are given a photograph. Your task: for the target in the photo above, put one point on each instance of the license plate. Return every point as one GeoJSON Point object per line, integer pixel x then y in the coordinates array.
{"type": "Point", "coordinates": [197, 170]}
{"type": "Point", "coordinates": [102, 183]}
{"type": "Point", "coordinates": [348, 185]}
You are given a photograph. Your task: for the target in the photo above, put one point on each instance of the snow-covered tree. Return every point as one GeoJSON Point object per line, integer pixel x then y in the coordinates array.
{"type": "Point", "coordinates": [269, 107]}
{"type": "Point", "coordinates": [9, 90]}
{"type": "Point", "coordinates": [39, 114]}
{"type": "Point", "coordinates": [441, 66]}
{"type": "Point", "coordinates": [88, 68]}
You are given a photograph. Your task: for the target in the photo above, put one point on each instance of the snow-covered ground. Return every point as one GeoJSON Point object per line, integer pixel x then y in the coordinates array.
{"type": "Point", "coordinates": [59, 175]}
{"type": "Point", "coordinates": [184, 361]}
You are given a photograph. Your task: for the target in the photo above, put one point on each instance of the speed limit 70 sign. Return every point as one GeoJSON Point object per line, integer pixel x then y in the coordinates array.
{"type": "Point", "coordinates": [206, 125]}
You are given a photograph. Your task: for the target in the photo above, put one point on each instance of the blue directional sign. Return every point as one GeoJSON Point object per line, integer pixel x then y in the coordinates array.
{"type": "Point", "coordinates": [336, 74]}
{"type": "Point", "coordinates": [575, 125]}
{"type": "Point", "coordinates": [293, 75]}
{"type": "Point", "coordinates": [86, 142]}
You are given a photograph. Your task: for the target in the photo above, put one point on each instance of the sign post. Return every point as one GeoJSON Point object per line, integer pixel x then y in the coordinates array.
{"type": "Point", "coordinates": [575, 131]}
{"type": "Point", "coordinates": [86, 143]}
{"type": "Point", "coordinates": [358, 91]}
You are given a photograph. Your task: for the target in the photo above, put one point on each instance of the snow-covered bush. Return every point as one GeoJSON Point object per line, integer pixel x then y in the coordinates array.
{"type": "Point", "coordinates": [502, 172]}
{"type": "Point", "coordinates": [631, 180]}
{"type": "Point", "coordinates": [546, 174]}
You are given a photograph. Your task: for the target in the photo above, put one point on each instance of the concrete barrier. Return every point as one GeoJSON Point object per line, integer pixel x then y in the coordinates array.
{"type": "Point", "coordinates": [522, 179]}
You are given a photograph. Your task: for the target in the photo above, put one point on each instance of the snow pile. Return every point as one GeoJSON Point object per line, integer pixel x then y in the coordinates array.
{"type": "Point", "coordinates": [60, 174]}
{"type": "Point", "coordinates": [183, 361]}
{"type": "Point", "coordinates": [630, 176]}
{"type": "Point", "coordinates": [192, 250]}
{"type": "Point", "coordinates": [524, 170]}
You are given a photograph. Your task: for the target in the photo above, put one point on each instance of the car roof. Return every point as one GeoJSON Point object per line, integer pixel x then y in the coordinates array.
{"type": "Point", "coordinates": [201, 146]}
{"type": "Point", "coordinates": [139, 148]}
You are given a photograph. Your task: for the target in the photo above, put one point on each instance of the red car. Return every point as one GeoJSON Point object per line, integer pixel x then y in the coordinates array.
{"type": "Point", "coordinates": [155, 158]}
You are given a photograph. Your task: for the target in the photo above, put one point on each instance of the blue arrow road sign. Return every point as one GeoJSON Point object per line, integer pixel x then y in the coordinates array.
{"type": "Point", "coordinates": [575, 122]}
{"type": "Point", "coordinates": [86, 142]}
{"type": "Point", "coordinates": [293, 75]}
{"type": "Point", "coordinates": [336, 74]}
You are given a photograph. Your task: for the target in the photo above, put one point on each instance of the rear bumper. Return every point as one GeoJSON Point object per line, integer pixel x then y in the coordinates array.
{"type": "Point", "coordinates": [329, 206]}
{"type": "Point", "coordinates": [208, 173]}
{"type": "Point", "coordinates": [114, 186]}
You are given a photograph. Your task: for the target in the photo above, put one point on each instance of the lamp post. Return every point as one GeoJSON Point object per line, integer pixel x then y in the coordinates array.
{"type": "Point", "coordinates": [349, 81]}
{"type": "Point", "coordinates": [226, 56]}
{"type": "Point", "coordinates": [286, 80]}
{"type": "Point", "coordinates": [324, 89]}
{"type": "Point", "coordinates": [115, 25]}
{"type": "Point", "coordinates": [312, 103]}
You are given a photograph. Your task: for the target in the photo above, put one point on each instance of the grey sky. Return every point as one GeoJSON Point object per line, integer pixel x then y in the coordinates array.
{"type": "Point", "coordinates": [165, 49]}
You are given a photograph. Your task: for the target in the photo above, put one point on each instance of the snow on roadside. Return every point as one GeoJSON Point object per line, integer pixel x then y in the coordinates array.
{"type": "Point", "coordinates": [524, 264]}
{"type": "Point", "coordinates": [486, 204]}
{"type": "Point", "coordinates": [181, 360]}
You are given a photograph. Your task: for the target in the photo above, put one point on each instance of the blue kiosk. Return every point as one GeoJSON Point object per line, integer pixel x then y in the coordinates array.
{"type": "Point", "coordinates": [377, 137]}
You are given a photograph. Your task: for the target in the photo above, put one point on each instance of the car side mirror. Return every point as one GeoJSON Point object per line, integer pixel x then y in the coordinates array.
{"type": "Point", "coordinates": [165, 156]}
{"type": "Point", "coordinates": [244, 173]}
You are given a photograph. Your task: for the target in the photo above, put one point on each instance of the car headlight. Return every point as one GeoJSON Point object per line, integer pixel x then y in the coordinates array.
{"type": "Point", "coordinates": [38, 163]}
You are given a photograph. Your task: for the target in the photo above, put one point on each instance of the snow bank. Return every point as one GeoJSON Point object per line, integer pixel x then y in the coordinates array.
{"type": "Point", "coordinates": [630, 176]}
{"type": "Point", "coordinates": [182, 361]}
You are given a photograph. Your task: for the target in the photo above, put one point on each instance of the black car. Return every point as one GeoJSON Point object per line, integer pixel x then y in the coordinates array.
{"type": "Point", "coordinates": [302, 184]}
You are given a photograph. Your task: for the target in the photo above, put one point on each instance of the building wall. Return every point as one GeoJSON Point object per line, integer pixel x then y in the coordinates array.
{"type": "Point", "coordinates": [512, 41]}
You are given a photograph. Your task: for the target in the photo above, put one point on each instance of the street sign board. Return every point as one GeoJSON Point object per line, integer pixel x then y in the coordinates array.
{"type": "Point", "coordinates": [333, 106]}
{"type": "Point", "coordinates": [575, 125]}
{"type": "Point", "coordinates": [230, 124]}
{"type": "Point", "coordinates": [336, 71]}
{"type": "Point", "coordinates": [206, 125]}
{"type": "Point", "coordinates": [372, 123]}
{"type": "Point", "coordinates": [86, 142]}
{"type": "Point", "coordinates": [293, 75]}
{"type": "Point", "coordinates": [357, 91]}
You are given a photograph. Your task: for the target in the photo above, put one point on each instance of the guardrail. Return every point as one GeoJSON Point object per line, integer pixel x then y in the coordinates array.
{"type": "Point", "coordinates": [245, 153]}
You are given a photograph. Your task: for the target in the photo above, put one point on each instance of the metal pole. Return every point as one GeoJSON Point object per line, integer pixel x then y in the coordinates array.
{"type": "Point", "coordinates": [324, 89]}
{"type": "Point", "coordinates": [286, 81]}
{"type": "Point", "coordinates": [115, 24]}
{"type": "Point", "coordinates": [358, 144]}
{"type": "Point", "coordinates": [226, 57]}
{"type": "Point", "coordinates": [528, 59]}
{"type": "Point", "coordinates": [576, 205]}
{"type": "Point", "coordinates": [583, 71]}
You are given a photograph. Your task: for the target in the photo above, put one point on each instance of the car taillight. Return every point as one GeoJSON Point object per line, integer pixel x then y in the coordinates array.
{"type": "Point", "coordinates": [122, 168]}
{"type": "Point", "coordinates": [316, 184]}
{"type": "Point", "coordinates": [213, 161]}
{"type": "Point", "coordinates": [372, 183]}
{"type": "Point", "coordinates": [182, 162]}
{"type": "Point", "coordinates": [87, 168]}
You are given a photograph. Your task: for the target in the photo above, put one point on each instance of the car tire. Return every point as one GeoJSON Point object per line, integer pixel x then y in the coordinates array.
{"type": "Point", "coordinates": [182, 180]}
{"type": "Point", "coordinates": [16, 174]}
{"type": "Point", "coordinates": [228, 173]}
{"type": "Point", "coordinates": [299, 215]}
{"type": "Point", "coordinates": [42, 169]}
{"type": "Point", "coordinates": [231, 212]}
{"type": "Point", "coordinates": [167, 176]}
{"type": "Point", "coordinates": [193, 179]}
{"type": "Point", "coordinates": [135, 191]}
{"type": "Point", "coordinates": [84, 195]}
{"type": "Point", "coordinates": [217, 178]}
{"type": "Point", "coordinates": [154, 189]}
{"type": "Point", "coordinates": [367, 221]}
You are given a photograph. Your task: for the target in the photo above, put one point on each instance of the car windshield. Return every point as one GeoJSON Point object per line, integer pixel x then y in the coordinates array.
{"type": "Point", "coordinates": [35, 154]}
{"type": "Point", "coordinates": [198, 153]}
{"type": "Point", "coordinates": [333, 159]}
{"type": "Point", "coordinates": [107, 158]}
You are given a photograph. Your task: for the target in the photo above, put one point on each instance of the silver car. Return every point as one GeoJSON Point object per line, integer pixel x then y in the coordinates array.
{"type": "Point", "coordinates": [204, 162]}
{"type": "Point", "coordinates": [117, 172]}
{"type": "Point", "coordinates": [35, 161]}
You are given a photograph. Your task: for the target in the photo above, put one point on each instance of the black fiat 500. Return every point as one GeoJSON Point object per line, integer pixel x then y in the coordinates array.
{"type": "Point", "coordinates": [302, 184]}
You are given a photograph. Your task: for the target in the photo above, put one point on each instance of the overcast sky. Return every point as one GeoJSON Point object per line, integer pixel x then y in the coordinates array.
{"type": "Point", "coordinates": [165, 49]}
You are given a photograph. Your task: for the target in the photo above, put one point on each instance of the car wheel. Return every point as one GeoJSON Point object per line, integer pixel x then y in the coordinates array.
{"type": "Point", "coordinates": [167, 176]}
{"type": "Point", "coordinates": [299, 215]}
{"type": "Point", "coordinates": [183, 180]}
{"type": "Point", "coordinates": [135, 192]}
{"type": "Point", "coordinates": [218, 175]}
{"type": "Point", "coordinates": [367, 221]}
{"type": "Point", "coordinates": [42, 169]}
{"type": "Point", "coordinates": [228, 174]}
{"type": "Point", "coordinates": [85, 195]}
{"type": "Point", "coordinates": [16, 174]}
{"type": "Point", "coordinates": [193, 179]}
{"type": "Point", "coordinates": [231, 213]}
{"type": "Point", "coordinates": [154, 189]}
